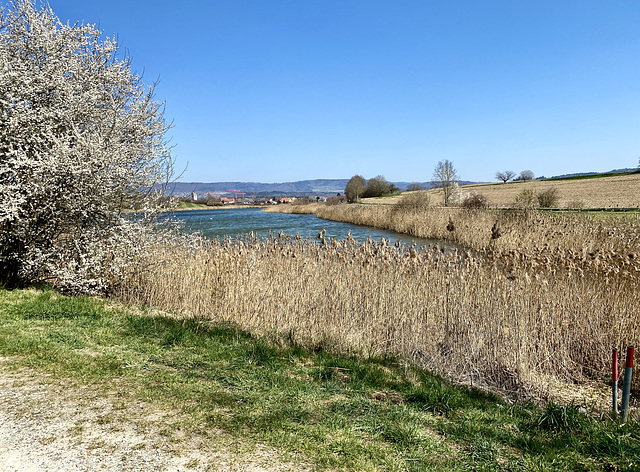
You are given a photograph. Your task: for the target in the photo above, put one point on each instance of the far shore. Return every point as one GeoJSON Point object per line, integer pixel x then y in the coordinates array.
{"type": "Point", "coordinates": [218, 207]}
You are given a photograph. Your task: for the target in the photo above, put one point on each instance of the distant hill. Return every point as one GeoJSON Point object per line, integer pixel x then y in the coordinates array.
{"type": "Point", "coordinates": [321, 187]}
{"type": "Point", "coordinates": [318, 187]}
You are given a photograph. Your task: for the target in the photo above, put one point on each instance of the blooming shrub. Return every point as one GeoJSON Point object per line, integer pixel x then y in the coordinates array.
{"type": "Point", "coordinates": [81, 144]}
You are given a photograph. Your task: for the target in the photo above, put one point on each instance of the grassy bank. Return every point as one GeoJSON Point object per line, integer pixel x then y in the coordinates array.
{"type": "Point", "coordinates": [307, 209]}
{"type": "Point", "coordinates": [202, 206]}
{"type": "Point", "coordinates": [317, 409]}
{"type": "Point", "coordinates": [191, 206]}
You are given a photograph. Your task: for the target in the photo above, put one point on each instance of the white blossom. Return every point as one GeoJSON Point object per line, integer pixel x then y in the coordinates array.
{"type": "Point", "coordinates": [81, 143]}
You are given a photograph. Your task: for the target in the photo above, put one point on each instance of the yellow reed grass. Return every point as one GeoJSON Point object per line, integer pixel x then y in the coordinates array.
{"type": "Point", "coordinates": [455, 313]}
{"type": "Point", "coordinates": [605, 243]}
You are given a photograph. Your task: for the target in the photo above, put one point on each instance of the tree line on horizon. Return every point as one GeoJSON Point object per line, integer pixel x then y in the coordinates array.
{"type": "Point", "coordinates": [444, 176]}
{"type": "Point", "coordinates": [358, 187]}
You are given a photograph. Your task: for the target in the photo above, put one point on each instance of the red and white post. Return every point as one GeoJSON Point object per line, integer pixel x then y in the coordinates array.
{"type": "Point", "coordinates": [626, 389]}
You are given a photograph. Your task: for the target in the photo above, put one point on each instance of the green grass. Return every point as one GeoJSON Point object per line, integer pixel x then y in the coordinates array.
{"type": "Point", "coordinates": [182, 205]}
{"type": "Point", "coordinates": [335, 412]}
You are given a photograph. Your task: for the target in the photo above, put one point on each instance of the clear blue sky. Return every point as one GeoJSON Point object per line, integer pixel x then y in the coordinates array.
{"type": "Point", "coordinates": [282, 90]}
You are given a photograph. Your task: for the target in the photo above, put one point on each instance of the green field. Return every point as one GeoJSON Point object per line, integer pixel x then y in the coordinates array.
{"type": "Point", "coordinates": [190, 205]}
{"type": "Point", "coordinates": [314, 407]}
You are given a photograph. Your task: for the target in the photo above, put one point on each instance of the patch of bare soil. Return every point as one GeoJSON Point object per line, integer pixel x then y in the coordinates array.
{"type": "Point", "coordinates": [47, 425]}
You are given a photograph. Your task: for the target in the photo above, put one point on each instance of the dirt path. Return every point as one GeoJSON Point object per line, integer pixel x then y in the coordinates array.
{"type": "Point", "coordinates": [45, 426]}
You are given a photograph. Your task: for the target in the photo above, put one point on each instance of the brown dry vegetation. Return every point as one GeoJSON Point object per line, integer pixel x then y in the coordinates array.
{"type": "Point", "coordinates": [458, 314]}
{"type": "Point", "coordinates": [605, 192]}
{"type": "Point", "coordinates": [535, 302]}
{"type": "Point", "coordinates": [306, 209]}
{"type": "Point", "coordinates": [604, 243]}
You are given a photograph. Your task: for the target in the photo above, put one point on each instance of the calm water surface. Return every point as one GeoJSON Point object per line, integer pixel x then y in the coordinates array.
{"type": "Point", "coordinates": [239, 222]}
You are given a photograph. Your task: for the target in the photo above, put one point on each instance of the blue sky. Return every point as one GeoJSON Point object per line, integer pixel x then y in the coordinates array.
{"type": "Point", "coordinates": [282, 90]}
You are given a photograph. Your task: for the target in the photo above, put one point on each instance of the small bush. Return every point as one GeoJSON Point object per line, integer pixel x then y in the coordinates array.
{"type": "Point", "coordinates": [526, 200]}
{"type": "Point", "coordinates": [475, 201]}
{"type": "Point", "coordinates": [549, 198]}
{"type": "Point", "coordinates": [418, 201]}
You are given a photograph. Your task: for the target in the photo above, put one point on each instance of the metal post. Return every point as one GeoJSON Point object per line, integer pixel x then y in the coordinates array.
{"type": "Point", "coordinates": [626, 389]}
{"type": "Point", "coordinates": [614, 384]}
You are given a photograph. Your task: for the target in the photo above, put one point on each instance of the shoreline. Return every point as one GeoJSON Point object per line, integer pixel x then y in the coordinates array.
{"type": "Point", "coordinates": [218, 207]}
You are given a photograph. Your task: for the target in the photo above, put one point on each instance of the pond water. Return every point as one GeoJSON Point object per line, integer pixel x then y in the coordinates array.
{"type": "Point", "coordinates": [235, 222]}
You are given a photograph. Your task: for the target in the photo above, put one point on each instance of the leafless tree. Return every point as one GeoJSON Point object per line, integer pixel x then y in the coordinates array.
{"type": "Point", "coordinates": [526, 175]}
{"type": "Point", "coordinates": [505, 175]}
{"type": "Point", "coordinates": [444, 176]}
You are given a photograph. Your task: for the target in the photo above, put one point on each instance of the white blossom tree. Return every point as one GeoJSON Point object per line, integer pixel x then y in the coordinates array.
{"type": "Point", "coordinates": [81, 143]}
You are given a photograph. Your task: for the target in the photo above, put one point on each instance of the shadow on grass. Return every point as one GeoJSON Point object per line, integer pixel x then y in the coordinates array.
{"type": "Point", "coordinates": [335, 410]}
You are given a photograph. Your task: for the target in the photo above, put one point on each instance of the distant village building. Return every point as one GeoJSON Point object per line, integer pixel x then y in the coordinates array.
{"type": "Point", "coordinates": [227, 200]}
{"type": "Point", "coordinates": [194, 195]}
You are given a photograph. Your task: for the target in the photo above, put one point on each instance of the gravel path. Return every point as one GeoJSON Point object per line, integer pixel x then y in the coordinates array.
{"type": "Point", "coordinates": [47, 427]}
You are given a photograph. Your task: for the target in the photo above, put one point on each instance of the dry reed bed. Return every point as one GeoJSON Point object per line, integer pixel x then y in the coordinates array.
{"type": "Point", "coordinates": [455, 314]}
{"type": "Point", "coordinates": [604, 243]}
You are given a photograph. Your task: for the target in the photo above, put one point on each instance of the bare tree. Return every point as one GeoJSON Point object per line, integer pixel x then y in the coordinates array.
{"type": "Point", "coordinates": [526, 175]}
{"type": "Point", "coordinates": [414, 187]}
{"type": "Point", "coordinates": [444, 176]}
{"type": "Point", "coordinates": [81, 143]}
{"type": "Point", "coordinates": [505, 175]}
{"type": "Point", "coordinates": [355, 188]}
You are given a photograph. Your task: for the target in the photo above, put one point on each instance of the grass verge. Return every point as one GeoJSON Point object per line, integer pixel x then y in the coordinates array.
{"type": "Point", "coordinates": [333, 411]}
{"type": "Point", "coordinates": [190, 205]}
